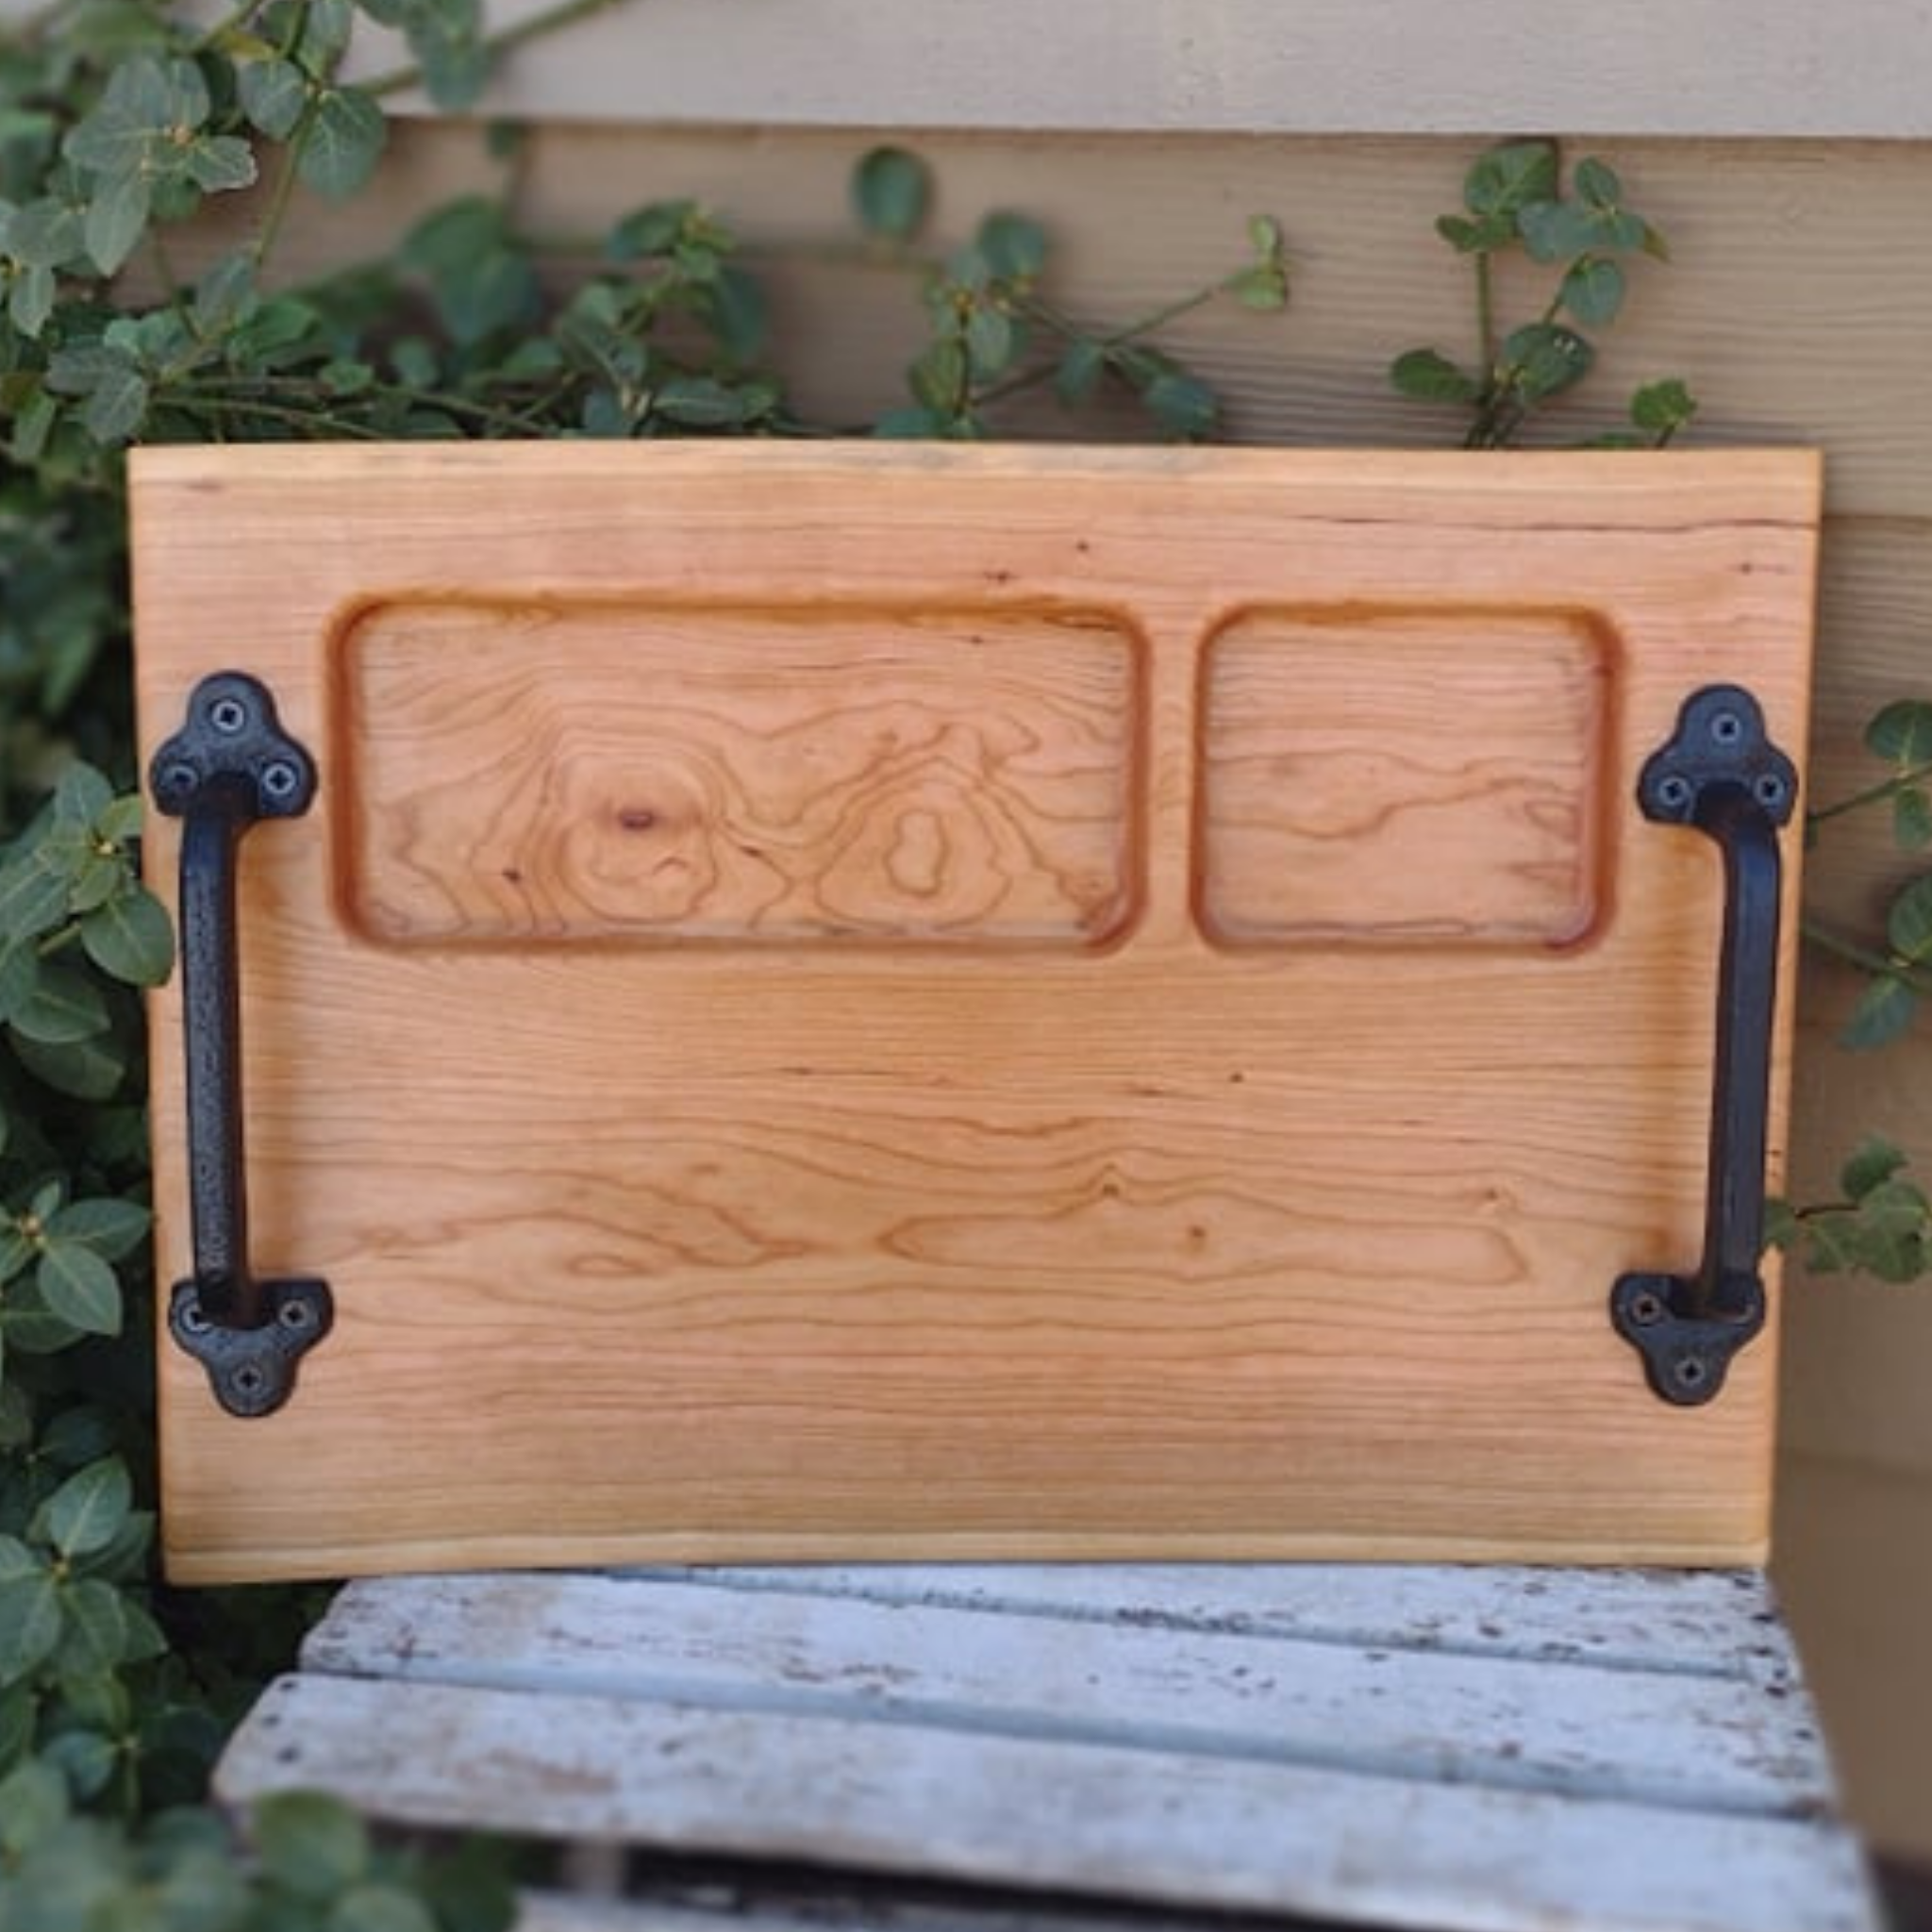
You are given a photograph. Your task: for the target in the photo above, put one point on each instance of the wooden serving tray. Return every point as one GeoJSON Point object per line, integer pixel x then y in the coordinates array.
{"type": "Point", "coordinates": [873, 1001]}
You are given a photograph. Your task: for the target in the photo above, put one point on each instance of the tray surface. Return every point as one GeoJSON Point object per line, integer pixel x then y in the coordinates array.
{"type": "Point", "coordinates": [880, 1002]}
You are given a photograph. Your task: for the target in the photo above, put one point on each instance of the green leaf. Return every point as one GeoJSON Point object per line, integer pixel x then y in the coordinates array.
{"type": "Point", "coordinates": [33, 896]}
{"type": "Point", "coordinates": [30, 298]}
{"type": "Point", "coordinates": [738, 313]}
{"type": "Point", "coordinates": [1883, 1012]}
{"type": "Point", "coordinates": [1911, 818]}
{"type": "Point", "coordinates": [1545, 358]}
{"type": "Point", "coordinates": [20, 974]}
{"type": "Point", "coordinates": [648, 231]}
{"type": "Point", "coordinates": [345, 138]}
{"type": "Point", "coordinates": [470, 1889]}
{"type": "Point", "coordinates": [1262, 288]}
{"type": "Point", "coordinates": [44, 234]}
{"type": "Point", "coordinates": [699, 402]}
{"type": "Point", "coordinates": [1594, 290]}
{"type": "Point", "coordinates": [1909, 924]}
{"type": "Point", "coordinates": [113, 1227]}
{"type": "Point", "coordinates": [1079, 371]}
{"type": "Point", "coordinates": [116, 218]}
{"type": "Point", "coordinates": [93, 1644]}
{"type": "Point", "coordinates": [1597, 183]}
{"type": "Point", "coordinates": [64, 1007]}
{"type": "Point", "coordinates": [1427, 375]}
{"type": "Point", "coordinates": [1558, 231]}
{"type": "Point", "coordinates": [273, 95]}
{"type": "Point", "coordinates": [992, 341]}
{"type": "Point", "coordinates": [130, 938]}
{"type": "Point", "coordinates": [1014, 246]}
{"type": "Point", "coordinates": [938, 377]}
{"type": "Point", "coordinates": [1181, 404]}
{"type": "Point", "coordinates": [380, 1908]}
{"type": "Point", "coordinates": [218, 163]}
{"type": "Point", "coordinates": [85, 1759]}
{"type": "Point", "coordinates": [29, 1632]}
{"type": "Point", "coordinates": [1873, 1162]}
{"type": "Point", "coordinates": [1476, 238]}
{"type": "Point", "coordinates": [86, 1068]}
{"type": "Point", "coordinates": [19, 1715]}
{"type": "Point", "coordinates": [33, 1805]}
{"type": "Point", "coordinates": [1662, 408]}
{"type": "Point", "coordinates": [87, 1512]}
{"type": "Point", "coordinates": [313, 1847]}
{"type": "Point", "coordinates": [1892, 1207]}
{"type": "Point", "coordinates": [201, 1887]}
{"type": "Point", "coordinates": [120, 819]}
{"type": "Point", "coordinates": [1511, 178]}
{"type": "Point", "coordinates": [1901, 732]}
{"type": "Point", "coordinates": [79, 1287]}
{"type": "Point", "coordinates": [98, 880]}
{"type": "Point", "coordinates": [81, 796]}
{"type": "Point", "coordinates": [16, 1251]}
{"type": "Point", "coordinates": [891, 189]}
{"type": "Point", "coordinates": [118, 404]}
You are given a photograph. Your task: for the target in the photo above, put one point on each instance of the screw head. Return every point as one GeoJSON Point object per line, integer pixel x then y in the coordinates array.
{"type": "Point", "coordinates": [229, 716]}
{"type": "Point", "coordinates": [280, 781]}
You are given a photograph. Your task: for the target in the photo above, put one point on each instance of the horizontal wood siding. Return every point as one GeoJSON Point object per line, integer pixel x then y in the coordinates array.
{"type": "Point", "coordinates": [1795, 306]}
{"type": "Point", "coordinates": [1704, 67]}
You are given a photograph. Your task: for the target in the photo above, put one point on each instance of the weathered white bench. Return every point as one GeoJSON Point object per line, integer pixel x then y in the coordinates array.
{"type": "Point", "coordinates": [1497, 1748]}
{"type": "Point", "coordinates": [913, 1005]}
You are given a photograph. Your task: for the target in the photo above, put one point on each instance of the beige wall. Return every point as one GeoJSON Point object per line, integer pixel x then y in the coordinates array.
{"type": "Point", "coordinates": [1645, 67]}
{"type": "Point", "coordinates": [1798, 306]}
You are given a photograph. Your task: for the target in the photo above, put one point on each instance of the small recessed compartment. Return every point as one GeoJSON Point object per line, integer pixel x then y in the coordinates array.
{"type": "Point", "coordinates": [523, 771]}
{"type": "Point", "coordinates": [1393, 774]}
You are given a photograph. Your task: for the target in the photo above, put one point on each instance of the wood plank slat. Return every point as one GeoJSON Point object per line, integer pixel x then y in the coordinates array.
{"type": "Point", "coordinates": [1714, 1744]}
{"type": "Point", "coordinates": [1097, 1819]}
{"type": "Point", "coordinates": [1715, 1622]}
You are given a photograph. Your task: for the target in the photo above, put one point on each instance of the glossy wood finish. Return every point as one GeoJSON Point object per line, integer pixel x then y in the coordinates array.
{"type": "Point", "coordinates": [856, 1000]}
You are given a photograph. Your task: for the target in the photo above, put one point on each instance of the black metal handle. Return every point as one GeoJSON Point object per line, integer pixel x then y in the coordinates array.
{"type": "Point", "coordinates": [230, 765]}
{"type": "Point", "coordinates": [1721, 774]}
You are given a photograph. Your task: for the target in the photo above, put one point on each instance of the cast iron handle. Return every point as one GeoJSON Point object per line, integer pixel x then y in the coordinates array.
{"type": "Point", "coordinates": [1722, 775]}
{"type": "Point", "coordinates": [230, 765]}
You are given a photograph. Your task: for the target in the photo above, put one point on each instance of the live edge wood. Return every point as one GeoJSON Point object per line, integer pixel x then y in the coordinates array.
{"type": "Point", "coordinates": [864, 1001]}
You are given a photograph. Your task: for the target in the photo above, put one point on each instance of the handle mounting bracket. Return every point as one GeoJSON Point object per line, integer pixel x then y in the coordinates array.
{"type": "Point", "coordinates": [1721, 775]}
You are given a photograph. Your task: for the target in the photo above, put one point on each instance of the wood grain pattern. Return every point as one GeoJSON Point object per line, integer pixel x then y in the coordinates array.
{"type": "Point", "coordinates": [568, 771]}
{"type": "Point", "coordinates": [1388, 775]}
{"type": "Point", "coordinates": [782, 1247]}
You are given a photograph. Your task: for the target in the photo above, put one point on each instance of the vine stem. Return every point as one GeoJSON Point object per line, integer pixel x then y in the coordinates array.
{"type": "Point", "coordinates": [1873, 795]}
{"type": "Point", "coordinates": [1882, 965]}
{"type": "Point", "coordinates": [562, 14]}
{"type": "Point", "coordinates": [283, 194]}
{"type": "Point", "coordinates": [235, 16]}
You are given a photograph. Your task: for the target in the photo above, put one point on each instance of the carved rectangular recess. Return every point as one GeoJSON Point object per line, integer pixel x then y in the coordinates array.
{"type": "Point", "coordinates": [533, 770]}
{"type": "Point", "coordinates": [1403, 774]}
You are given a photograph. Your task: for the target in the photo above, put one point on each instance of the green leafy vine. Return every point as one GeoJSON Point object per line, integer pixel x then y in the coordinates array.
{"type": "Point", "coordinates": [120, 121]}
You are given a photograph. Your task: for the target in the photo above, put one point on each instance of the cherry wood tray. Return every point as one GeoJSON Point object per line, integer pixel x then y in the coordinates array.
{"type": "Point", "coordinates": [870, 1000]}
